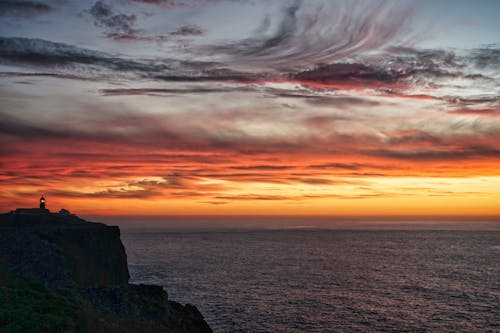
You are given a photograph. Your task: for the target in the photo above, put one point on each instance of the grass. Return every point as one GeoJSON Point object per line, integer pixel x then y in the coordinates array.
{"type": "Point", "coordinates": [27, 306]}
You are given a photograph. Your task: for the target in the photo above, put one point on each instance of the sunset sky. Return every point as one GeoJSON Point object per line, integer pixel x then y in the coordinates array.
{"type": "Point", "coordinates": [213, 107]}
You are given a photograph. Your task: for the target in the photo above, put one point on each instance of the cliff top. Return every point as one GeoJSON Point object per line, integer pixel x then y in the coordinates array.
{"type": "Point", "coordinates": [32, 217]}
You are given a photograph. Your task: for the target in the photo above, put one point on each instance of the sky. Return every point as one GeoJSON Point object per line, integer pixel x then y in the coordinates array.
{"type": "Point", "coordinates": [274, 108]}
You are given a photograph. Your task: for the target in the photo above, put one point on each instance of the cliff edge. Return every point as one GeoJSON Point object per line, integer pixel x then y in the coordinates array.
{"type": "Point", "coordinates": [62, 273]}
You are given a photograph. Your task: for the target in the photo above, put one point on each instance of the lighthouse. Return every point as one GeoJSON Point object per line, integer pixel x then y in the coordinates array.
{"type": "Point", "coordinates": [42, 202]}
{"type": "Point", "coordinates": [42, 210]}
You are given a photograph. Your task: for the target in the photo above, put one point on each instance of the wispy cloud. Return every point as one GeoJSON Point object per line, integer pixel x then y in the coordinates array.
{"type": "Point", "coordinates": [24, 9]}
{"type": "Point", "coordinates": [308, 33]}
{"type": "Point", "coordinates": [188, 30]}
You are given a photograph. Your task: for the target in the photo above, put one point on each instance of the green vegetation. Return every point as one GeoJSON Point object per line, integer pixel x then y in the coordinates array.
{"type": "Point", "coordinates": [6, 220]}
{"type": "Point", "coordinates": [27, 306]}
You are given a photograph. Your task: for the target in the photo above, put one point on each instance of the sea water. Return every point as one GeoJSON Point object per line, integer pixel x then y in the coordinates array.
{"type": "Point", "coordinates": [327, 280]}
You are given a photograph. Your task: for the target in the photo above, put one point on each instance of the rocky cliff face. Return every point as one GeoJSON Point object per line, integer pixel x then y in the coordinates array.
{"type": "Point", "coordinates": [65, 253]}
{"type": "Point", "coordinates": [89, 260]}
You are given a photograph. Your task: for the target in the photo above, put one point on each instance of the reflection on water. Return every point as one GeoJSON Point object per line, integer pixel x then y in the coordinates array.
{"type": "Point", "coordinates": [324, 281]}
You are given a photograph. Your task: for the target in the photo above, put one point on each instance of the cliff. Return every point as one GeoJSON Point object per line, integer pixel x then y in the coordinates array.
{"type": "Point", "coordinates": [70, 275]}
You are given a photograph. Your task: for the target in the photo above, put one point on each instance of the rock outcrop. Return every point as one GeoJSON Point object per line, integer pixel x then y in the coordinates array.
{"type": "Point", "coordinates": [88, 261]}
{"type": "Point", "coordinates": [64, 252]}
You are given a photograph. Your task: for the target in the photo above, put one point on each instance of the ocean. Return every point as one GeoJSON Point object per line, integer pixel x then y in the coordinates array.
{"type": "Point", "coordinates": [326, 280]}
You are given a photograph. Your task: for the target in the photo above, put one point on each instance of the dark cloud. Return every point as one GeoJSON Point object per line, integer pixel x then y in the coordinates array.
{"type": "Point", "coordinates": [24, 9]}
{"type": "Point", "coordinates": [24, 82]}
{"type": "Point", "coordinates": [326, 123]}
{"type": "Point", "coordinates": [26, 130]}
{"type": "Point", "coordinates": [39, 52]}
{"type": "Point", "coordinates": [93, 129]}
{"type": "Point", "coordinates": [259, 197]}
{"type": "Point", "coordinates": [91, 64]}
{"type": "Point", "coordinates": [172, 4]}
{"type": "Point", "coordinates": [395, 75]}
{"type": "Point", "coordinates": [265, 197]}
{"type": "Point", "coordinates": [262, 167]}
{"type": "Point", "coordinates": [423, 58]}
{"type": "Point", "coordinates": [168, 92]}
{"type": "Point", "coordinates": [421, 65]}
{"type": "Point", "coordinates": [413, 137]}
{"type": "Point", "coordinates": [316, 96]}
{"type": "Point", "coordinates": [316, 181]}
{"type": "Point", "coordinates": [471, 101]}
{"type": "Point", "coordinates": [10, 126]}
{"type": "Point", "coordinates": [463, 153]}
{"type": "Point", "coordinates": [392, 75]}
{"type": "Point", "coordinates": [43, 75]}
{"type": "Point", "coordinates": [345, 72]}
{"type": "Point", "coordinates": [34, 52]}
{"type": "Point", "coordinates": [400, 71]}
{"type": "Point", "coordinates": [118, 26]}
{"type": "Point", "coordinates": [493, 112]}
{"type": "Point", "coordinates": [341, 101]}
{"type": "Point", "coordinates": [188, 30]}
{"type": "Point", "coordinates": [215, 202]}
{"type": "Point", "coordinates": [188, 194]}
{"type": "Point", "coordinates": [253, 177]}
{"type": "Point", "coordinates": [123, 193]}
{"type": "Point", "coordinates": [344, 166]}
{"type": "Point", "coordinates": [208, 74]}
{"type": "Point", "coordinates": [486, 57]}
{"type": "Point", "coordinates": [164, 3]}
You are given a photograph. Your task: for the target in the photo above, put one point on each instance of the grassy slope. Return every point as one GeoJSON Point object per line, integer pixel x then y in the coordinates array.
{"type": "Point", "coordinates": [27, 306]}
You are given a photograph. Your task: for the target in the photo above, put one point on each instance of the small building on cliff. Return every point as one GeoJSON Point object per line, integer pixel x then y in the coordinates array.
{"type": "Point", "coordinates": [64, 212]}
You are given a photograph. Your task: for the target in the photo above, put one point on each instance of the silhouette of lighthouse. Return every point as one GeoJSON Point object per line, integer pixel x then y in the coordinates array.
{"type": "Point", "coordinates": [42, 202]}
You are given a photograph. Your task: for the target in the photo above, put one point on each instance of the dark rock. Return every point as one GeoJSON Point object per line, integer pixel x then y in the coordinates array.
{"type": "Point", "coordinates": [64, 254]}
{"type": "Point", "coordinates": [89, 261]}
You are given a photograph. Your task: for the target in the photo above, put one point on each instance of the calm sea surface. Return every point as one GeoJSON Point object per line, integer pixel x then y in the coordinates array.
{"type": "Point", "coordinates": [327, 280]}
